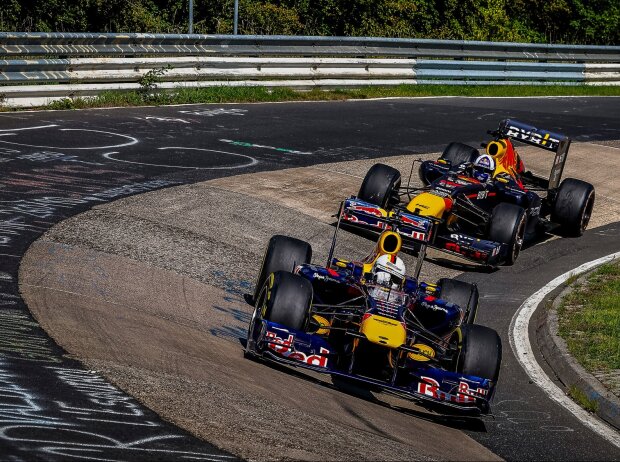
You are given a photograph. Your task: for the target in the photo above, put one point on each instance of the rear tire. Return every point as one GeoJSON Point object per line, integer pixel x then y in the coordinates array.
{"type": "Point", "coordinates": [380, 186]}
{"type": "Point", "coordinates": [289, 300]}
{"type": "Point", "coordinates": [573, 206]}
{"type": "Point", "coordinates": [462, 294]}
{"type": "Point", "coordinates": [508, 224]}
{"type": "Point", "coordinates": [457, 153]}
{"type": "Point", "coordinates": [481, 352]}
{"type": "Point", "coordinates": [283, 254]}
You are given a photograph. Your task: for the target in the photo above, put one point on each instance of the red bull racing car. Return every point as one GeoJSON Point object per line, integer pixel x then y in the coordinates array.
{"type": "Point", "coordinates": [370, 322]}
{"type": "Point", "coordinates": [485, 205]}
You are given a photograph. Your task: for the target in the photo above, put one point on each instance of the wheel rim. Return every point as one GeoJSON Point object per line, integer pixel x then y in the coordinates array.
{"type": "Point", "coordinates": [255, 317]}
{"type": "Point", "coordinates": [518, 242]}
{"type": "Point", "coordinates": [587, 212]}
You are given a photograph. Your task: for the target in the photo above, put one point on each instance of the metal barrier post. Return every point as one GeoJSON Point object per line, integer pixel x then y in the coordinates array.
{"type": "Point", "coordinates": [236, 17]}
{"type": "Point", "coordinates": [191, 16]}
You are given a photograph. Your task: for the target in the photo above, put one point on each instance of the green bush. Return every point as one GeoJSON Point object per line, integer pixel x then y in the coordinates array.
{"type": "Point", "coordinates": [549, 21]}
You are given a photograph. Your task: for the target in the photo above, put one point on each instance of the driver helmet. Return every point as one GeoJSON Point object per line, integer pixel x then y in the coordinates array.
{"type": "Point", "coordinates": [389, 271]}
{"type": "Point", "coordinates": [484, 167]}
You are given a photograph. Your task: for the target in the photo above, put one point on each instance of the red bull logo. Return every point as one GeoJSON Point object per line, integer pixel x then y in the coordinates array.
{"type": "Point", "coordinates": [369, 210]}
{"type": "Point", "coordinates": [286, 349]}
{"type": "Point", "coordinates": [466, 390]}
{"type": "Point", "coordinates": [430, 387]}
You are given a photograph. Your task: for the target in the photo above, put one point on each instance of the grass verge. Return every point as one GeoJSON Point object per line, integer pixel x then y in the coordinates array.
{"type": "Point", "coordinates": [582, 399]}
{"type": "Point", "coordinates": [263, 94]}
{"type": "Point", "coordinates": [589, 320]}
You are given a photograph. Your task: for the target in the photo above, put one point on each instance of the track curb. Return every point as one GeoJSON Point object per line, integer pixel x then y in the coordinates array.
{"type": "Point", "coordinates": [565, 368]}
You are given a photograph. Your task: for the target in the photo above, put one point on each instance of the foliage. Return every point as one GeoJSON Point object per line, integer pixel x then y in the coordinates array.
{"type": "Point", "coordinates": [148, 82]}
{"type": "Point", "coordinates": [551, 21]}
{"type": "Point", "coordinates": [589, 320]}
{"type": "Point", "coordinates": [582, 399]}
{"type": "Point", "coordinates": [230, 94]}
{"type": "Point", "coordinates": [257, 18]}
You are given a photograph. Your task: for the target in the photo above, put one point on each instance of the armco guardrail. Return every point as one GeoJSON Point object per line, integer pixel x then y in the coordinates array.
{"type": "Point", "coordinates": [36, 68]}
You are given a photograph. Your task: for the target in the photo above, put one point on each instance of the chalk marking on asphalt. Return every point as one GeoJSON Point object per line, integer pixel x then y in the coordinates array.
{"type": "Point", "coordinates": [27, 128]}
{"type": "Point", "coordinates": [246, 144]}
{"type": "Point", "coordinates": [253, 161]}
{"type": "Point", "coordinates": [520, 344]}
{"type": "Point", "coordinates": [131, 139]}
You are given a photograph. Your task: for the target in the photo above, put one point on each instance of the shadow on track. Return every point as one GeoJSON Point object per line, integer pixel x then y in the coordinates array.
{"type": "Point", "coordinates": [431, 413]}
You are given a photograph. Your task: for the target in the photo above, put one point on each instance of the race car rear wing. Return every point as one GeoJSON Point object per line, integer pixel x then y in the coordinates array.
{"type": "Point", "coordinates": [540, 138]}
{"type": "Point", "coordinates": [410, 227]}
{"type": "Point", "coordinates": [416, 231]}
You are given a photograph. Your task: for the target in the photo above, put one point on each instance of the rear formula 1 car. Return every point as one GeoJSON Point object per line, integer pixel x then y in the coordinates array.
{"type": "Point", "coordinates": [482, 217]}
{"type": "Point", "coordinates": [409, 338]}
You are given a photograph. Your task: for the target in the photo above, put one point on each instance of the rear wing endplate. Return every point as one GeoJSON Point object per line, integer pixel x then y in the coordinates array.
{"type": "Point", "coordinates": [540, 138]}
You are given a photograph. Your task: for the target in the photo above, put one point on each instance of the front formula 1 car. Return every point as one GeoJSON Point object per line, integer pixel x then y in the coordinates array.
{"type": "Point", "coordinates": [484, 205]}
{"type": "Point", "coordinates": [397, 334]}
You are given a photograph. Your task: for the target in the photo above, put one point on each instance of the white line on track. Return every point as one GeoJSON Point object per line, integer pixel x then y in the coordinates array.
{"type": "Point", "coordinates": [252, 160]}
{"type": "Point", "coordinates": [26, 128]}
{"type": "Point", "coordinates": [520, 344]}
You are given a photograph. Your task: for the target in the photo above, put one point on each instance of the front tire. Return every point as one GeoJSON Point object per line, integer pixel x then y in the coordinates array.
{"type": "Point", "coordinates": [283, 254]}
{"type": "Point", "coordinates": [458, 153]}
{"type": "Point", "coordinates": [287, 300]}
{"type": "Point", "coordinates": [380, 186]}
{"type": "Point", "coordinates": [462, 294]}
{"type": "Point", "coordinates": [508, 224]}
{"type": "Point", "coordinates": [481, 352]}
{"type": "Point", "coordinates": [573, 206]}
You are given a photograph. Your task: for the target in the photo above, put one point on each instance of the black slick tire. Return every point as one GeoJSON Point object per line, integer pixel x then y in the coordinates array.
{"type": "Point", "coordinates": [457, 153]}
{"type": "Point", "coordinates": [287, 299]}
{"type": "Point", "coordinates": [508, 225]}
{"type": "Point", "coordinates": [481, 352]}
{"type": "Point", "coordinates": [380, 186]}
{"type": "Point", "coordinates": [283, 253]}
{"type": "Point", "coordinates": [462, 294]}
{"type": "Point", "coordinates": [573, 206]}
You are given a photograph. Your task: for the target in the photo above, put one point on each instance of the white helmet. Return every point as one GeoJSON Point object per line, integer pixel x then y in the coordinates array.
{"type": "Point", "coordinates": [485, 163]}
{"type": "Point", "coordinates": [389, 271]}
{"type": "Point", "coordinates": [484, 167]}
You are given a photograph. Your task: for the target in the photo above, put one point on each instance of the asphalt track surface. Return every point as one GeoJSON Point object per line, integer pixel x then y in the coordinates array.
{"type": "Point", "coordinates": [58, 164]}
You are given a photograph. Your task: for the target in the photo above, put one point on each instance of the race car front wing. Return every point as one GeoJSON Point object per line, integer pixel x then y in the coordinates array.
{"type": "Point", "coordinates": [422, 383]}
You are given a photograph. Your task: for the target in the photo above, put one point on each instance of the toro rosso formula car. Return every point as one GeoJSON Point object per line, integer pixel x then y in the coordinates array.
{"type": "Point", "coordinates": [484, 205]}
{"type": "Point", "coordinates": [369, 322]}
